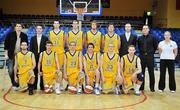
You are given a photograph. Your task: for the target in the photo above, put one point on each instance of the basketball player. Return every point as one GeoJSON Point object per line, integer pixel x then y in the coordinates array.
{"type": "Point", "coordinates": [94, 36]}
{"type": "Point", "coordinates": [24, 64]}
{"type": "Point", "coordinates": [75, 35]}
{"type": "Point", "coordinates": [50, 69]}
{"type": "Point", "coordinates": [131, 71]}
{"type": "Point", "coordinates": [110, 71]}
{"type": "Point", "coordinates": [57, 38]}
{"type": "Point", "coordinates": [73, 67]}
{"type": "Point", "coordinates": [91, 67]}
{"type": "Point", "coordinates": [113, 38]}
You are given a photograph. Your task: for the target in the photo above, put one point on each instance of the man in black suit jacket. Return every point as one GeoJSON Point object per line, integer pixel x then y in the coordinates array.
{"type": "Point", "coordinates": [37, 45]}
{"type": "Point", "coordinates": [126, 40]}
{"type": "Point", "coordinates": [11, 47]}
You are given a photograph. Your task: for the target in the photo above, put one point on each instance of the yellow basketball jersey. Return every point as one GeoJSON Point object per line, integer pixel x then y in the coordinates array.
{"type": "Point", "coordinates": [72, 61]}
{"type": "Point", "coordinates": [57, 40]}
{"type": "Point", "coordinates": [111, 40]}
{"type": "Point", "coordinates": [24, 62]}
{"type": "Point", "coordinates": [91, 62]}
{"type": "Point", "coordinates": [48, 62]}
{"type": "Point", "coordinates": [129, 66]}
{"type": "Point", "coordinates": [76, 37]}
{"type": "Point", "coordinates": [95, 39]}
{"type": "Point", "coordinates": [110, 68]}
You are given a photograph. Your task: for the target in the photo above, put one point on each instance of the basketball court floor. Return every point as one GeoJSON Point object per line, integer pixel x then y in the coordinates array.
{"type": "Point", "coordinates": [12, 100]}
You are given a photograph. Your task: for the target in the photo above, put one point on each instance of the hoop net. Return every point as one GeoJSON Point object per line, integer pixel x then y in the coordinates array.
{"type": "Point", "coordinates": [80, 11]}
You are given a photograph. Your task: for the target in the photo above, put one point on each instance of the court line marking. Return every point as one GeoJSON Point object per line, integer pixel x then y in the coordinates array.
{"type": "Point", "coordinates": [34, 107]}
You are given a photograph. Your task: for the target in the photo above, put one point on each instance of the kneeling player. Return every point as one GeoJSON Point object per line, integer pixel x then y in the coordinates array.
{"type": "Point", "coordinates": [131, 71]}
{"type": "Point", "coordinates": [51, 73]}
{"type": "Point", "coordinates": [91, 67]}
{"type": "Point", "coordinates": [24, 64]}
{"type": "Point", "coordinates": [110, 71]}
{"type": "Point", "coordinates": [73, 69]}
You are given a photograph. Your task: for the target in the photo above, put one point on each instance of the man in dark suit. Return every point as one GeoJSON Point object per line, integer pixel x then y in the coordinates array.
{"type": "Point", "coordinates": [147, 46]}
{"type": "Point", "coordinates": [37, 45]}
{"type": "Point", "coordinates": [127, 39]}
{"type": "Point", "coordinates": [12, 47]}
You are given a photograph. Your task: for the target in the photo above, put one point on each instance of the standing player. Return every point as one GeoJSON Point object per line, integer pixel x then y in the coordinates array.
{"type": "Point", "coordinates": [111, 38]}
{"type": "Point", "coordinates": [91, 67]}
{"type": "Point", "coordinates": [94, 36]}
{"type": "Point", "coordinates": [51, 73]}
{"type": "Point", "coordinates": [73, 68]}
{"type": "Point", "coordinates": [110, 71]}
{"type": "Point", "coordinates": [75, 36]}
{"type": "Point", "coordinates": [24, 64]}
{"type": "Point", "coordinates": [57, 38]}
{"type": "Point", "coordinates": [131, 71]}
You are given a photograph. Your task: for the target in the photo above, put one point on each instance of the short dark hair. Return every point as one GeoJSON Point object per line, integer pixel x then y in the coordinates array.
{"type": "Point", "coordinates": [49, 42]}
{"type": "Point", "coordinates": [90, 44]}
{"type": "Point", "coordinates": [40, 26]}
{"type": "Point", "coordinates": [94, 21]}
{"type": "Point", "coordinates": [131, 46]}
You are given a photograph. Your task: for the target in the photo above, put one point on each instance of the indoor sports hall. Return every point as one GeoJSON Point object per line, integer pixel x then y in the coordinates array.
{"type": "Point", "coordinates": [150, 27]}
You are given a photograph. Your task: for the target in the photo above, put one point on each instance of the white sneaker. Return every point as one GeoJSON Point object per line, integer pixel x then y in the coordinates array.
{"type": "Point", "coordinates": [172, 91]}
{"type": "Point", "coordinates": [57, 91]}
{"type": "Point", "coordinates": [160, 91]}
{"type": "Point", "coordinates": [96, 90]}
{"type": "Point", "coordinates": [137, 92]}
{"type": "Point", "coordinates": [79, 91]}
{"type": "Point", "coordinates": [118, 91]}
{"type": "Point", "coordinates": [15, 88]}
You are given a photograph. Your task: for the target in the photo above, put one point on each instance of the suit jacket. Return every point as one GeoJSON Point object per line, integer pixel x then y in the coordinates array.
{"type": "Point", "coordinates": [124, 43]}
{"type": "Point", "coordinates": [34, 46]}
{"type": "Point", "coordinates": [10, 42]}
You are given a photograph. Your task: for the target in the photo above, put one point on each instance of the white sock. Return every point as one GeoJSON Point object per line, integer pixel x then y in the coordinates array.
{"type": "Point", "coordinates": [137, 87]}
{"type": "Point", "coordinates": [57, 85]}
{"type": "Point", "coordinates": [96, 85]}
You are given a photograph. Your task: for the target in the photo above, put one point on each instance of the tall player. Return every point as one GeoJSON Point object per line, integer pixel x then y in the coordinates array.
{"type": "Point", "coordinates": [51, 73]}
{"type": "Point", "coordinates": [111, 38]}
{"type": "Point", "coordinates": [92, 67]}
{"type": "Point", "coordinates": [94, 36]}
{"type": "Point", "coordinates": [75, 35]}
{"type": "Point", "coordinates": [110, 71]}
{"type": "Point", "coordinates": [131, 71]}
{"type": "Point", "coordinates": [57, 38]}
{"type": "Point", "coordinates": [24, 64]}
{"type": "Point", "coordinates": [73, 68]}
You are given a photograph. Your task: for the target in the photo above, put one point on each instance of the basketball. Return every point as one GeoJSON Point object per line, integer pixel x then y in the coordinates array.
{"type": "Point", "coordinates": [88, 89]}
{"type": "Point", "coordinates": [72, 90]}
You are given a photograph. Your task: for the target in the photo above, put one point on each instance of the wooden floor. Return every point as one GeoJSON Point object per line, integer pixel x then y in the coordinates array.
{"type": "Point", "coordinates": [11, 100]}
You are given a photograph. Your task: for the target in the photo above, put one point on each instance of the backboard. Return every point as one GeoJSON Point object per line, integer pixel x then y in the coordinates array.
{"type": "Point", "coordinates": [91, 7]}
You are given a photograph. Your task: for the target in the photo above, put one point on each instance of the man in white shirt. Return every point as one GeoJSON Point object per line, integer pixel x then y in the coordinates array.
{"type": "Point", "coordinates": [37, 45]}
{"type": "Point", "coordinates": [168, 52]}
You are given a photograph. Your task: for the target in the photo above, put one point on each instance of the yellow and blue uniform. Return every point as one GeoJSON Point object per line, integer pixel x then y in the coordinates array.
{"type": "Point", "coordinates": [110, 70]}
{"type": "Point", "coordinates": [95, 39]}
{"type": "Point", "coordinates": [73, 70]}
{"type": "Point", "coordinates": [58, 45]}
{"type": "Point", "coordinates": [128, 69]}
{"type": "Point", "coordinates": [91, 66]}
{"type": "Point", "coordinates": [49, 68]}
{"type": "Point", "coordinates": [77, 38]}
{"type": "Point", "coordinates": [111, 40]}
{"type": "Point", "coordinates": [25, 64]}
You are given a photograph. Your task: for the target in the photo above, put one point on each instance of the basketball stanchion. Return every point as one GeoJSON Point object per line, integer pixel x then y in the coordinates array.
{"type": "Point", "coordinates": [3, 76]}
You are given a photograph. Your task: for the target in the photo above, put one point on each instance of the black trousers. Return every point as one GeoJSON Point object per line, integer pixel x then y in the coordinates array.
{"type": "Point", "coordinates": [36, 76]}
{"type": "Point", "coordinates": [148, 61]}
{"type": "Point", "coordinates": [164, 64]}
